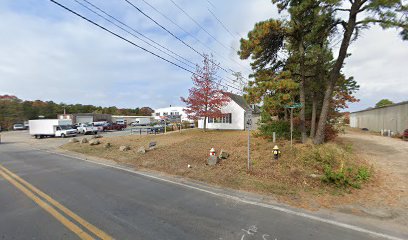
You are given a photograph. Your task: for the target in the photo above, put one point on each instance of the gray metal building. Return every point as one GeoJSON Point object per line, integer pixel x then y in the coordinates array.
{"type": "Point", "coordinates": [392, 117]}
{"type": "Point", "coordinates": [86, 117]}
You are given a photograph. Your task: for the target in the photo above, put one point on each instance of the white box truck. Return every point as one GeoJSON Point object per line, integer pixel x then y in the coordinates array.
{"type": "Point", "coordinates": [51, 128]}
{"type": "Point", "coordinates": [141, 122]}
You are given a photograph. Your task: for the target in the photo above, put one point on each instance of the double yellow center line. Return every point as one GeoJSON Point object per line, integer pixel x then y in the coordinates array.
{"type": "Point", "coordinates": [54, 208]}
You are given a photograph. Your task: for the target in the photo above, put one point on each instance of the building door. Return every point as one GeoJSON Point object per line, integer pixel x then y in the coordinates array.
{"type": "Point", "coordinates": [84, 119]}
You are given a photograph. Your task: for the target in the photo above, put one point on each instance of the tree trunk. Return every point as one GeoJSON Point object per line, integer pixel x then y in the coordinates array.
{"type": "Point", "coordinates": [302, 110]}
{"type": "Point", "coordinates": [205, 118]}
{"type": "Point", "coordinates": [335, 72]}
{"type": "Point", "coordinates": [314, 114]}
{"type": "Point", "coordinates": [302, 93]}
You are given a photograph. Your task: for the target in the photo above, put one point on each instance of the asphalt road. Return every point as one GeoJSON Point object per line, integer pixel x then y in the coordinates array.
{"type": "Point", "coordinates": [125, 205]}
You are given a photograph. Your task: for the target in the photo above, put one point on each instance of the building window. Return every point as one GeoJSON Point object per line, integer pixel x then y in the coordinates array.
{"type": "Point", "coordinates": [158, 114]}
{"type": "Point", "coordinates": [165, 113]}
{"type": "Point", "coordinates": [226, 118]}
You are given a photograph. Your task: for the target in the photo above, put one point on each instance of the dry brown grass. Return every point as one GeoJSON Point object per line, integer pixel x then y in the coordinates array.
{"type": "Point", "coordinates": [287, 179]}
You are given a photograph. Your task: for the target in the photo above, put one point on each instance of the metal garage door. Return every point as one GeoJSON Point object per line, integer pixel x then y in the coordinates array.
{"type": "Point", "coordinates": [84, 119]}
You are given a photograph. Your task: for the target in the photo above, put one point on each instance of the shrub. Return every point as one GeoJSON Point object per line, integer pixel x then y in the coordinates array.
{"type": "Point", "coordinates": [363, 174]}
{"type": "Point", "coordinates": [352, 176]}
{"type": "Point", "coordinates": [280, 127]}
{"type": "Point", "coordinates": [338, 165]}
{"type": "Point", "coordinates": [330, 132]}
{"type": "Point", "coordinates": [342, 178]}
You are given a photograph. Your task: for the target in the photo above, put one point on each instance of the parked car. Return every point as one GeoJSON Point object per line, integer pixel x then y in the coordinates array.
{"type": "Point", "coordinates": [85, 128]}
{"type": "Point", "coordinates": [157, 128]}
{"type": "Point", "coordinates": [100, 125]}
{"type": "Point", "coordinates": [113, 126]}
{"type": "Point", "coordinates": [19, 126]}
{"type": "Point", "coordinates": [405, 135]}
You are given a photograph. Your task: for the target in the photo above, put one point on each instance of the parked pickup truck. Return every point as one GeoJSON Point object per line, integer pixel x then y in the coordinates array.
{"type": "Point", "coordinates": [113, 126]}
{"type": "Point", "coordinates": [86, 128]}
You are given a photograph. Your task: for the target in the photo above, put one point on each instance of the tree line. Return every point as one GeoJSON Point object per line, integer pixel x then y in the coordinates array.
{"type": "Point", "coordinates": [293, 60]}
{"type": "Point", "coordinates": [14, 110]}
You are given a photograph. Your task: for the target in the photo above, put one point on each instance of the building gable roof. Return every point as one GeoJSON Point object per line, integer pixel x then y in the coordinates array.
{"type": "Point", "coordinates": [240, 100]}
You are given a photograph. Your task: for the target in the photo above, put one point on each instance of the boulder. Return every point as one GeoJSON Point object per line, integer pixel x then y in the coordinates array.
{"type": "Point", "coordinates": [212, 160]}
{"type": "Point", "coordinates": [84, 140]}
{"type": "Point", "coordinates": [94, 142]}
{"type": "Point", "coordinates": [152, 145]}
{"type": "Point", "coordinates": [96, 136]}
{"type": "Point", "coordinates": [141, 150]}
{"type": "Point", "coordinates": [315, 175]}
{"type": "Point", "coordinates": [73, 140]}
{"type": "Point", "coordinates": [223, 154]}
{"type": "Point", "coordinates": [107, 145]}
{"type": "Point", "coordinates": [124, 148]}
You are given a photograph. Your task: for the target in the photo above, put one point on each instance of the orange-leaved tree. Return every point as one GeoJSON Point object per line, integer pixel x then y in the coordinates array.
{"type": "Point", "coordinates": [205, 98]}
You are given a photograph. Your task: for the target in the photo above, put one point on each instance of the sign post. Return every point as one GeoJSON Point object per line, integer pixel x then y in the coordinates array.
{"type": "Point", "coordinates": [248, 125]}
{"type": "Point", "coordinates": [295, 105]}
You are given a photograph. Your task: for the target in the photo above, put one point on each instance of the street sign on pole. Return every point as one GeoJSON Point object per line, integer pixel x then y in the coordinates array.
{"type": "Point", "coordinates": [291, 107]}
{"type": "Point", "coordinates": [295, 105]}
{"type": "Point", "coordinates": [248, 125]}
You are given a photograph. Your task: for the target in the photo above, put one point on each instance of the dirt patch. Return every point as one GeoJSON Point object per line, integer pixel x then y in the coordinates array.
{"type": "Point", "coordinates": [389, 197]}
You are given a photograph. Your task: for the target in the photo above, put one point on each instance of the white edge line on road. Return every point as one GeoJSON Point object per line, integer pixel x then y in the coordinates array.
{"type": "Point", "coordinates": [223, 195]}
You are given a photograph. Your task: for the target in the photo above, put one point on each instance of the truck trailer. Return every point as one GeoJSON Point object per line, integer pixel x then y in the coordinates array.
{"type": "Point", "coordinates": [51, 128]}
{"type": "Point", "coordinates": [141, 122]}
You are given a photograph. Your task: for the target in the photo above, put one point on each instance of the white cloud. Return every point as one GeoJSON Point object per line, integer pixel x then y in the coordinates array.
{"type": "Point", "coordinates": [53, 55]}
{"type": "Point", "coordinates": [379, 63]}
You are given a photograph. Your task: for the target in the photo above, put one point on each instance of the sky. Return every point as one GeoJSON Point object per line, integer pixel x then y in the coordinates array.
{"type": "Point", "coordinates": [48, 53]}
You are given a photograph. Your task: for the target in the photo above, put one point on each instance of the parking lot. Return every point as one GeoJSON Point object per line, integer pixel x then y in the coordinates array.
{"type": "Point", "coordinates": [24, 137]}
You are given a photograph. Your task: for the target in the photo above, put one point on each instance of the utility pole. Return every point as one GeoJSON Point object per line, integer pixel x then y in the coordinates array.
{"type": "Point", "coordinates": [239, 80]}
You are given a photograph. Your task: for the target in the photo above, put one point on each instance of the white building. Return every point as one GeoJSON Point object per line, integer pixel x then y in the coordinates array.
{"type": "Point", "coordinates": [169, 112]}
{"type": "Point", "coordinates": [234, 115]}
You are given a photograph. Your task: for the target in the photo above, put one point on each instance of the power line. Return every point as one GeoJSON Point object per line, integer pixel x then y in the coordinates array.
{"type": "Point", "coordinates": [226, 29]}
{"type": "Point", "coordinates": [220, 22]}
{"type": "Point", "coordinates": [202, 28]}
{"type": "Point", "coordinates": [168, 31]}
{"type": "Point", "coordinates": [189, 34]}
{"type": "Point", "coordinates": [134, 30]}
{"type": "Point", "coordinates": [134, 44]}
{"type": "Point", "coordinates": [124, 24]}
{"type": "Point", "coordinates": [165, 29]}
{"type": "Point", "coordinates": [199, 25]}
{"type": "Point", "coordinates": [194, 37]}
{"type": "Point", "coordinates": [212, 5]}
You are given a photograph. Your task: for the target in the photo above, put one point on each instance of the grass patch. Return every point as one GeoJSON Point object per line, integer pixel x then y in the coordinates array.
{"type": "Point", "coordinates": [315, 170]}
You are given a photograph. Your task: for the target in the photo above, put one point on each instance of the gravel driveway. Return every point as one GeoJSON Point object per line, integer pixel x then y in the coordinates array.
{"type": "Point", "coordinates": [389, 157]}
